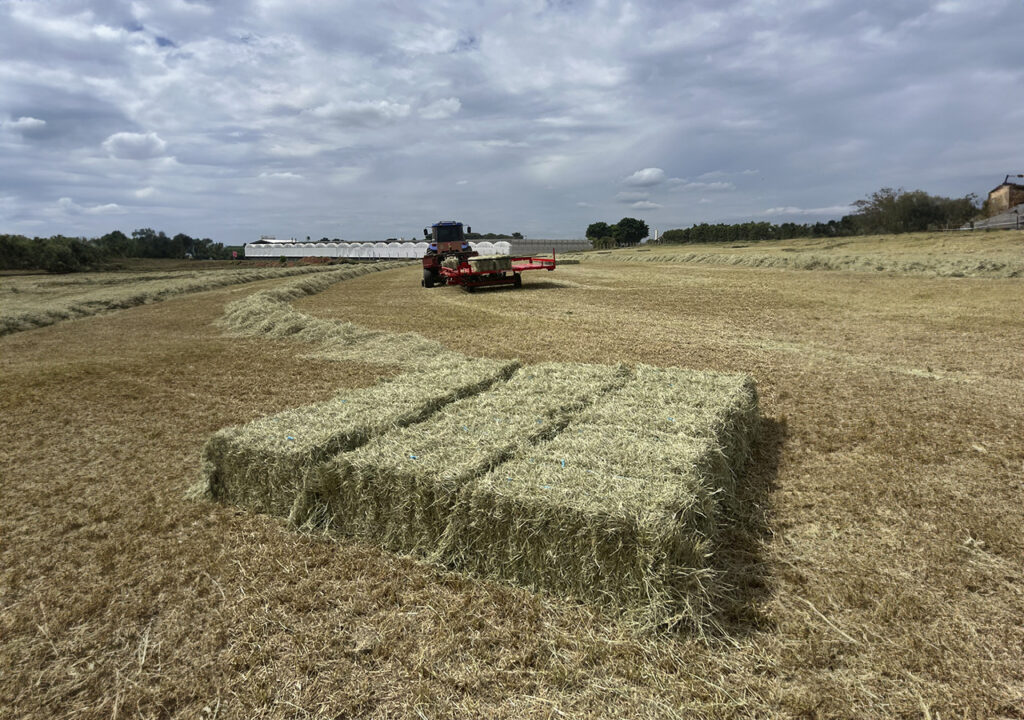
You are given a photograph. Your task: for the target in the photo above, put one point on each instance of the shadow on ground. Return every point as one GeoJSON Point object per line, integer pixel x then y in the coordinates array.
{"type": "Point", "coordinates": [741, 549]}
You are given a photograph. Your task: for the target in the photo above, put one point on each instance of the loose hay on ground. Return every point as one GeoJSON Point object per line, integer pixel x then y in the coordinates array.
{"type": "Point", "coordinates": [399, 488]}
{"type": "Point", "coordinates": [33, 301]}
{"type": "Point", "coordinates": [261, 465]}
{"type": "Point", "coordinates": [620, 507]}
{"type": "Point", "coordinates": [270, 314]}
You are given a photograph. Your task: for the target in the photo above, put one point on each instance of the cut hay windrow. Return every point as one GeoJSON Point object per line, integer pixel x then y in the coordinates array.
{"type": "Point", "coordinates": [30, 302]}
{"type": "Point", "coordinates": [269, 313]}
{"type": "Point", "coordinates": [621, 506]}
{"type": "Point", "coordinates": [262, 465]}
{"type": "Point", "coordinates": [399, 489]}
{"type": "Point", "coordinates": [793, 259]}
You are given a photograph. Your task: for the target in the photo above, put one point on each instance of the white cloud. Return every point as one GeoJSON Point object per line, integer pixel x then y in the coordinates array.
{"type": "Point", "coordinates": [364, 113]}
{"type": "Point", "coordinates": [628, 196]}
{"type": "Point", "coordinates": [646, 177]}
{"type": "Point", "coordinates": [645, 205]}
{"type": "Point", "coordinates": [441, 109]}
{"type": "Point", "coordinates": [70, 207]}
{"type": "Point", "coordinates": [24, 123]}
{"type": "Point", "coordinates": [717, 185]}
{"type": "Point", "coordinates": [833, 210]}
{"type": "Point", "coordinates": [135, 146]}
{"type": "Point", "coordinates": [279, 176]}
{"type": "Point", "coordinates": [145, 192]}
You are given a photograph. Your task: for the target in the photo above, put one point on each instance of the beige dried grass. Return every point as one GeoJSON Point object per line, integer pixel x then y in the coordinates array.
{"type": "Point", "coordinates": [399, 488]}
{"type": "Point", "coordinates": [955, 254]}
{"type": "Point", "coordinates": [623, 505]}
{"type": "Point", "coordinates": [490, 263]}
{"type": "Point", "coordinates": [28, 302]}
{"type": "Point", "coordinates": [262, 465]}
{"type": "Point", "coordinates": [269, 313]}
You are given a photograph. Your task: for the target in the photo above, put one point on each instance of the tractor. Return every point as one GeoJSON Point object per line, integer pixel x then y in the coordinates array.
{"type": "Point", "coordinates": [451, 261]}
{"type": "Point", "coordinates": [447, 244]}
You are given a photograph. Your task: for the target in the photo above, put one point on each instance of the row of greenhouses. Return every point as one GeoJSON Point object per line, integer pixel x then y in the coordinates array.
{"type": "Point", "coordinates": [395, 250]}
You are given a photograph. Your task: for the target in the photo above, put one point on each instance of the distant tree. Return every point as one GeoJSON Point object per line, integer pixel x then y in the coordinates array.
{"type": "Point", "coordinates": [898, 211]}
{"type": "Point", "coordinates": [517, 236]}
{"type": "Point", "coordinates": [673, 236]}
{"type": "Point", "coordinates": [598, 230]}
{"type": "Point", "coordinates": [116, 244]}
{"type": "Point", "coordinates": [182, 245]}
{"type": "Point", "coordinates": [629, 231]}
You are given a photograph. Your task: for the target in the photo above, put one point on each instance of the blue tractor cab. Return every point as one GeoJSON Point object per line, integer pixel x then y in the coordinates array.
{"type": "Point", "coordinates": [447, 239]}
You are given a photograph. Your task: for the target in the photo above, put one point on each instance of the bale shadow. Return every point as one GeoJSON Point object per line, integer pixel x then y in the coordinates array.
{"type": "Point", "coordinates": [740, 554]}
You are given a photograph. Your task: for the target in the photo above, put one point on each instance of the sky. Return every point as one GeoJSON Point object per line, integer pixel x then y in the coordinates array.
{"type": "Point", "coordinates": [231, 119]}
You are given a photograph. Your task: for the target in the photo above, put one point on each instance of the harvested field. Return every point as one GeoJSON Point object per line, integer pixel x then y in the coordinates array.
{"type": "Point", "coordinates": [31, 301]}
{"type": "Point", "coordinates": [958, 254]}
{"type": "Point", "coordinates": [871, 567]}
{"type": "Point", "coordinates": [269, 313]}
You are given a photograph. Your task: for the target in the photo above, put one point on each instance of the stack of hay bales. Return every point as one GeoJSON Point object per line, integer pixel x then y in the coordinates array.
{"type": "Point", "coordinates": [399, 489]}
{"type": "Point", "coordinates": [596, 482]}
{"type": "Point", "coordinates": [262, 465]}
{"type": "Point", "coordinates": [621, 507]}
{"type": "Point", "coordinates": [490, 263]}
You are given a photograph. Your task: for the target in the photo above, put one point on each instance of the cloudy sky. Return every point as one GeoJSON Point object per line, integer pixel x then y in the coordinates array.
{"type": "Point", "coordinates": [363, 120]}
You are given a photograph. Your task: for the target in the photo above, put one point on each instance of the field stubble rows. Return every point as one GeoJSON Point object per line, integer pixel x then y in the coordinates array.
{"type": "Point", "coordinates": [877, 569]}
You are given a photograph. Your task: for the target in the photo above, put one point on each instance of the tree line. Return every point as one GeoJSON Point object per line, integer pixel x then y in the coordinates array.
{"type": "Point", "coordinates": [885, 211]}
{"type": "Point", "coordinates": [71, 254]}
{"type": "Point", "coordinates": [627, 231]}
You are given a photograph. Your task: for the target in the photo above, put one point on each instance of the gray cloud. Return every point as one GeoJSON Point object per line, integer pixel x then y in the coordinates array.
{"type": "Point", "coordinates": [237, 118]}
{"type": "Point", "coordinates": [646, 177]}
{"type": "Point", "coordinates": [135, 146]}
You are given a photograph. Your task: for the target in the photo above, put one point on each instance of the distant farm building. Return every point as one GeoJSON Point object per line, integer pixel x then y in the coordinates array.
{"type": "Point", "coordinates": [269, 247]}
{"type": "Point", "coordinates": [1005, 196]}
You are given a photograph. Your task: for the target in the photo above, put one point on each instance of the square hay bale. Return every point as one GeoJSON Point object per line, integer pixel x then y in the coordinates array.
{"type": "Point", "coordinates": [261, 465]}
{"type": "Point", "coordinates": [490, 263]}
{"type": "Point", "coordinates": [451, 262]}
{"type": "Point", "coordinates": [399, 488]}
{"type": "Point", "coordinates": [621, 506]}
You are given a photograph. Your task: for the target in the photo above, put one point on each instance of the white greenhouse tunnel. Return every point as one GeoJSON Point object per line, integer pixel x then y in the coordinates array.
{"type": "Point", "coordinates": [384, 250]}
